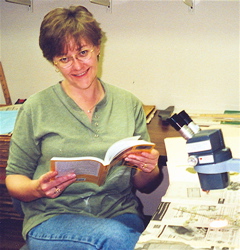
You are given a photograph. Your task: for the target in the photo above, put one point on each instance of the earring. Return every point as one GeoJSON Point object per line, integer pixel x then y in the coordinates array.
{"type": "Point", "coordinates": [57, 70]}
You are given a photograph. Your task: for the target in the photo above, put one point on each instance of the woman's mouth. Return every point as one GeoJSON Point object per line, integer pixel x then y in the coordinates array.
{"type": "Point", "coordinates": [81, 74]}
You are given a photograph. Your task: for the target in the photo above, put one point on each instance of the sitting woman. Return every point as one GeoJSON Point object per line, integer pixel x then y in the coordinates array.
{"type": "Point", "coordinates": [79, 116]}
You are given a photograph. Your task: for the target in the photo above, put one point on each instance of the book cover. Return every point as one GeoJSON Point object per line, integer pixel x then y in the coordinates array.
{"type": "Point", "coordinates": [93, 169]}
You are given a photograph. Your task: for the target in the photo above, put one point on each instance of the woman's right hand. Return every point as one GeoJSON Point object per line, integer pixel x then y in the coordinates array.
{"type": "Point", "coordinates": [50, 187]}
{"type": "Point", "coordinates": [26, 189]}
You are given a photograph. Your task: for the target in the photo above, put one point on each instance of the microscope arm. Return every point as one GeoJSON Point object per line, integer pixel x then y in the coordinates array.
{"type": "Point", "coordinates": [232, 165]}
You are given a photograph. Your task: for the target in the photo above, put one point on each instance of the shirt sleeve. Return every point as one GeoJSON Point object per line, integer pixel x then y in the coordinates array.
{"type": "Point", "coordinates": [24, 150]}
{"type": "Point", "coordinates": [141, 124]}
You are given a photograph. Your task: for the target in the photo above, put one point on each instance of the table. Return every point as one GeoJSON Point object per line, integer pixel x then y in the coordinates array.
{"type": "Point", "coordinates": [189, 218]}
{"type": "Point", "coordinates": [158, 132]}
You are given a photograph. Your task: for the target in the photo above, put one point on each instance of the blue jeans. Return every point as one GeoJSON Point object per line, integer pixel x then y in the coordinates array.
{"type": "Point", "coordinates": [71, 231]}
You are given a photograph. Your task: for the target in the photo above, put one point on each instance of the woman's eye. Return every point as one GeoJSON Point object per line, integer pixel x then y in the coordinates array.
{"type": "Point", "coordinates": [83, 53]}
{"type": "Point", "coordinates": [64, 59]}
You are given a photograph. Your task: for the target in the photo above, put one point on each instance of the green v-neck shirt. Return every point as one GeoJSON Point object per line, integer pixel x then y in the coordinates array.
{"type": "Point", "coordinates": [50, 124]}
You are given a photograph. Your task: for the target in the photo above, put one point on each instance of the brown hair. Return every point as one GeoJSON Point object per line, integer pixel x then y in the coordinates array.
{"type": "Point", "coordinates": [61, 25]}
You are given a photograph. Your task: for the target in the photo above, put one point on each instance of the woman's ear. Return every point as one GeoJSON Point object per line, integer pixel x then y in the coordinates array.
{"type": "Point", "coordinates": [98, 50]}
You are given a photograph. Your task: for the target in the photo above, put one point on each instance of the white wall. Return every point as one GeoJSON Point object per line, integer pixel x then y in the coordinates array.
{"type": "Point", "coordinates": [156, 49]}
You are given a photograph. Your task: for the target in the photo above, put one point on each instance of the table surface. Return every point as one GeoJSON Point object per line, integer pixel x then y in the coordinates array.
{"type": "Point", "coordinates": [158, 132]}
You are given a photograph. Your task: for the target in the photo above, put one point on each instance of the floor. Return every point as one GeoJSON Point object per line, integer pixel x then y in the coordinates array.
{"type": "Point", "coordinates": [11, 234]}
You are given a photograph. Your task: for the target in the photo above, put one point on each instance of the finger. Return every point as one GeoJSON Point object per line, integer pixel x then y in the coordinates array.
{"type": "Point", "coordinates": [143, 163]}
{"type": "Point", "coordinates": [65, 184]}
{"type": "Point", "coordinates": [144, 157]}
{"type": "Point", "coordinates": [154, 154]}
{"type": "Point", "coordinates": [53, 192]}
{"type": "Point", "coordinates": [132, 162]}
{"type": "Point", "coordinates": [147, 168]}
{"type": "Point", "coordinates": [58, 189]}
{"type": "Point", "coordinates": [48, 176]}
{"type": "Point", "coordinates": [45, 182]}
{"type": "Point", "coordinates": [69, 178]}
{"type": "Point", "coordinates": [48, 182]}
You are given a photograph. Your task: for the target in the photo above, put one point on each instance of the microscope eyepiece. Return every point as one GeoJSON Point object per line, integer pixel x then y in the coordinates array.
{"type": "Point", "coordinates": [189, 122]}
{"type": "Point", "coordinates": [175, 122]}
{"type": "Point", "coordinates": [178, 124]}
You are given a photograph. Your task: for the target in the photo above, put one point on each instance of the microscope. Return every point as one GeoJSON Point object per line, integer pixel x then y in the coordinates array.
{"type": "Point", "coordinates": [207, 152]}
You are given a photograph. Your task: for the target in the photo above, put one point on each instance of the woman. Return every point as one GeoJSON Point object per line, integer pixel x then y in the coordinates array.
{"type": "Point", "coordinates": [80, 116]}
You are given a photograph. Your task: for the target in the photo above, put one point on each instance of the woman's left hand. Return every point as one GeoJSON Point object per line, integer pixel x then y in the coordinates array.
{"type": "Point", "coordinates": [145, 161]}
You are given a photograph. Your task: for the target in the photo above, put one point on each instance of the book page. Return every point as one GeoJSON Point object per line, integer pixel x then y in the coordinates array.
{"type": "Point", "coordinates": [89, 169]}
{"type": "Point", "coordinates": [83, 167]}
{"type": "Point", "coordinates": [82, 158]}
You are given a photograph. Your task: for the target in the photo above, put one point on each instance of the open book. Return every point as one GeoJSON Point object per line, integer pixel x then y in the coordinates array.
{"type": "Point", "coordinates": [93, 169]}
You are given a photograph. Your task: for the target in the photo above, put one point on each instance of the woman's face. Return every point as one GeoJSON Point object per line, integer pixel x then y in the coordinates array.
{"type": "Point", "coordinates": [79, 66]}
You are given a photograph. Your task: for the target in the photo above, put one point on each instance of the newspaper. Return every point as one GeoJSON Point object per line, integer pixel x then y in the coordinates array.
{"type": "Point", "coordinates": [185, 219]}
{"type": "Point", "coordinates": [190, 218]}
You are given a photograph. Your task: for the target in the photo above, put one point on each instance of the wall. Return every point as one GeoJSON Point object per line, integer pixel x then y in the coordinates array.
{"type": "Point", "coordinates": [158, 50]}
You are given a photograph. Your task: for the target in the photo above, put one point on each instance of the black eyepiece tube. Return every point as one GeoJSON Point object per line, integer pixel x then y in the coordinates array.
{"type": "Point", "coordinates": [189, 122]}
{"type": "Point", "coordinates": [178, 124]}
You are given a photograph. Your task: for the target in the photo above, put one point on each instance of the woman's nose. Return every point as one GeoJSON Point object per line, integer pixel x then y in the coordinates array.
{"type": "Point", "coordinates": [77, 63]}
